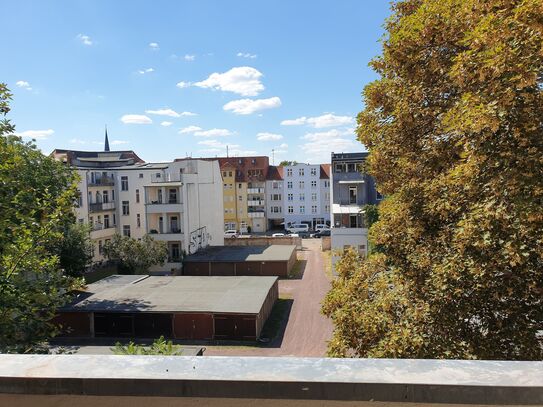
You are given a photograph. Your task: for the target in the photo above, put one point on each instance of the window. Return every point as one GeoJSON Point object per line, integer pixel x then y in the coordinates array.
{"type": "Point", "coordinates": [351, 167]}
{"type": "Point", "coordinates": [326, 208]}
{"type": "Point", "coordinates": [114, 220]}
{"type": "Point", "coordinates": [172, 195]}
{"type": "Point", "coordinates": [126, 209]}
{"type": "Point", "coordinates": [224, 174]}
{"type": "Point", "coordinates": [79, 199]}
{"type": "Point", "coordinates": [113, 196]}
{"type": "Point", "coordinates": [105, 196]}
{"type": "Point", "coordinates": [302, 209]}
{"type": "Point", "coordinates": [379, 196]}
{"type": "Point", "coordinates": [326, 184]}
{"type": "Point", "coordinates": [138, 220]}
{"type": "Point", "coordinates": [327, 196]}
{"type": "Point", "coordinates": [275, 185]}
{"type": "Point", "coordinates": [141, 175]}
{"type": "Point", "coordinates": [353, 221]}
{"type": "Point", "coordinates": [339, 168]}
{"type": "Point", "coordinates": [302, 185]}
{"type": "Point", "coordinates": [352, 195]}
{"type": "Point", "coordinates": [276, 209]}
{"type": "Point", "coordinates": [81, 221]}
{"type": "Point", "coordinates": [106, 221]}
{"type": "Point", "coordinates": [175, 252]}
{"type": "Point", "coordinates": [314, 196]}
{"type": "Point", "coordinates": [275, 197]}
{"type": "Point", "coordinates": [314, 209]}
{"type": "Point", "coordinates": [124, 183]}
{"type": "Point", "coordinates": [302, 197]}
{"type": "Point", "coordinates": [240, 198]}
{"type": "Point", "coordinates": [313, 171]}
{"type": "Point", "coordinates": [126, 230]}
{"type": "Point", "coordinates": [137, 196]}
{"type": "Point", "coordinates": [239, 186]}
{"type": "Point", "coordinates": [290, 197]}
{"type": "Point", "coordinates": [229, 173]}
{"type": "Point", "coordinates": [301, 172]}
{"type": "Point", "coordinates": [313, 184]}
{"type": "Point", "coordinates": [100, 247]}
{"type": "Point", "coordinates": [289, 172]}
{"type": "Point", "coordinates": [289, 185]}
{"type": "Point", "coordinates": [362, 249]}
{"type": "Point", "coordinates": [290, 209]}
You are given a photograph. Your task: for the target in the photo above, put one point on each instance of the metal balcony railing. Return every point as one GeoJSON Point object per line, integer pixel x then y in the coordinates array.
{"type": "Point", "coordinates": [102, 181]}
{"type": "Point", "coordinates": [101, 206]}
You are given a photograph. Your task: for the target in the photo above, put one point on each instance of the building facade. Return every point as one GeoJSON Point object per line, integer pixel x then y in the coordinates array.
{"type": "Point", "coordinates": [178, 203]}
{"type": "Point", "coordinates": [350, 190]}
{"type": "Point", "coordinates": [275, 198]}
{"type": "Point", "coordinates": [304, 192]}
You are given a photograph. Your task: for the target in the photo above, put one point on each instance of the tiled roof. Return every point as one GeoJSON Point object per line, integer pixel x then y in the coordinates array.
{"type": "Point", "coordinates": [325, 171]}
{"type": "Point", "coordinates": [275, 173]}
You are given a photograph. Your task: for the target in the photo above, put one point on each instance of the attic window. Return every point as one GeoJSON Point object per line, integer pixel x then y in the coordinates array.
{"type": "Point", "coordinates": [239, 161]}
{"type": "Point", "coordinates": [141, 175]}
{"type": "Point", "coordinates": [253, 161]}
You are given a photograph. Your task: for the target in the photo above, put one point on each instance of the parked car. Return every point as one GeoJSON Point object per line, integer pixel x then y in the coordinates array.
{"type": "Point", "coordinates": [231, 234]}
{"type": "Point", "coordinates": [297, 228]}
{"type": "Point", "coordinates": [321, 226]}
{"type": "Point", "coordinates": [321, 233]}
{"type": "Point", "coordinates": [278, 235]}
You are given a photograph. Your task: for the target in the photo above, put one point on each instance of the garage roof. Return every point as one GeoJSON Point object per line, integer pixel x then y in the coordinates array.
{"type": "Point", "coordinates": [243, 295]}
{"type": "Point", "coordinates": [242, 253]}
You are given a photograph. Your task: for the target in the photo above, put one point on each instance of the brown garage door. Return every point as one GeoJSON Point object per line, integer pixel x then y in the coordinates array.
{"type": "Point", "coordinates": [73, 323]}
{"type": "Point", "coordinates": [193, 326]}
{"type": "Point", "coordinates": [149, 325]}
{"type": "Point", "coordinates": [196, 269]}
{"type": "Point", "coordinates": [236, 327]}
{"type": "Point", "coordinates": [222, 269]}
{"type": "Point", "coordinates": [113, 325]}
{"type": "Point", "coordinates": [248, 269]}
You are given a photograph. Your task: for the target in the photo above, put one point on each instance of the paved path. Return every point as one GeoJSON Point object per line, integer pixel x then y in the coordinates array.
{"type": "Point", "coordinates": [307, 329]}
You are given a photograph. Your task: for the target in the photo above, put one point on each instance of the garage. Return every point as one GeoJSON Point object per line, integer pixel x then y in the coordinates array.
{"type": "Point", "coordinates": [177, 307]}
{"type": "Point", "coordinates": [273, 260]}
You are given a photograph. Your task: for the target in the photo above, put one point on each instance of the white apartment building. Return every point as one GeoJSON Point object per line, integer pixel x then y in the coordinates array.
{"type": "Point", "coordinates": [305, 188]}
{"type": "Point", "coordinates": [179, 202]}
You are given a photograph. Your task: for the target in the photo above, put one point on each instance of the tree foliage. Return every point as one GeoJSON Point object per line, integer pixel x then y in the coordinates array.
{"type": "Point", "coordinates": [135, 256]}
{"type": "Point", "coordinates": [74, 249]}
{"type": "Point", "coordinates": [159, 347]}
{"type": "Point", "coordinates": [284, 163]}
{"type": "Point", "coordinates": [36, 198]}
{"type": "Point", "coordinates": [455, 135]}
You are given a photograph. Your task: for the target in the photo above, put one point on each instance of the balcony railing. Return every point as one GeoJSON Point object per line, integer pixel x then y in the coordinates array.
{"type": "Point", "coordinates": [163, 202]}
{"type": "Point", "coordinates": [255, 202]}
{"type": "Point", "coordinates": [102, 206]}
{"type": "Point", "coordinates": [102, 181]}
{"type": "Point", "coordinates": [255, 190]}
{"type": "Point", "coordinates": [101, 226]}
{"type": "Point", "coordinates": [288, 381]}
{"type": "Point", "coordinates": [164, 231]}
{"type": "Point", "coordinates": [165, 177]}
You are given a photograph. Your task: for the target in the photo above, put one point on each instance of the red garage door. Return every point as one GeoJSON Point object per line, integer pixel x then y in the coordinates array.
{"type": "Point", "coordinates": [235, 327]}
{"type": "Point", "coordinates": [193, 326]}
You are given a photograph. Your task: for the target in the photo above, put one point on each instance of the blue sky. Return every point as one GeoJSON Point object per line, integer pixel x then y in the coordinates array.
{"type": "Point", "coordinates": [177, 78]}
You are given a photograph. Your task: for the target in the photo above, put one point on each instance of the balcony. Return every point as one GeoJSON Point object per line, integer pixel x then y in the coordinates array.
{"type": "Point", "coordinates": [102, 206]}
{"type": "Point", "coordinates": [167, 235]}
{"type": "Point", "coordinates": [256, 214]}
{"type": "Point", "coordinates": [101, 182]}
{"type": "Point", "coordinates": [163, 207]}
{"type": "Point", "coordinates": [99, 231]}
{"type": "Point", "coordinates": [165, 177]}
{"type": "Point", "coordinates": [256, 202]}
{"type": "Point", "coordinates": [255, 190]}
{"type": "Point", "coordinates": [28, 380]}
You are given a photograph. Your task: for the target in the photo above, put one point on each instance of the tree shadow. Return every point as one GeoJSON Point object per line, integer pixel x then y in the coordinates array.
{"type": "Point", "coordinates": [297, 272]}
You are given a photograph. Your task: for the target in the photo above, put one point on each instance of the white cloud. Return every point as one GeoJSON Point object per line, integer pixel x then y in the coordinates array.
{"type": "Point", "coordinates": [213, 133]}
{"type": "Point", "coordinates": [318, 122]}
{"type": "Point", "coordinates": [242, 80]}
{"type": "Point", "coordinates": [283, 146]}
{"type": "Point", "coordinates": [318, 146]}
{"type": "Point", "coordinates": [189, 58]}
{"type": "Point", "coordinates": [246, 55]}
{"type": "Point", "coordinates": [77, 141]}
{"type": "Point", "coordinates": [117, 142]}
{"type": "Point", "coordinates": [85, 39]}
{"type": "Point", "coordinates": [268, 137]}
{"type": "Point", "coordinates": [182, 84]}
{"type": "Point", "coordinates": [249, 106]}
{"type": "Point", "coordinates": [164, 112]}
{"type": "Point", "coordinates": [166, 124]}
{"type": "Point", "coordinates": [219, 148]}
{"type": "Point", "coordinates": [154, 46]}
{"type": "Point", "coordinates": [136, 119]}
{"type": "Point", "coordinates": [216, 144]}
{"type": "Point", "coordinates": [144, 71]}
{"type": "Point", "coordinates": [24, 85]}
{"type": "Point", "coordinates": [36, 134]}
{"type": "Point", "coordinates": [189, 129]}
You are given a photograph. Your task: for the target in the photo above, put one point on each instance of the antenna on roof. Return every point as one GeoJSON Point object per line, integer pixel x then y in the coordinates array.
{"type": "Point", "coordinates": [106, 142]}
{"type": "Point", "coordinates": [227, 151]}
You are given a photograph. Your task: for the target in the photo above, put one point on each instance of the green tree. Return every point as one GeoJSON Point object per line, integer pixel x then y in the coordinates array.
{"type": "Point", "coordinates": [454, 131]}
{"type": "Point", "coordinates": [287, 162]}
{"type": "Point", "coordinates": [135, 256]}
{"type": "Point", "coordinates": [74, 249]}
{"type": "Point", "coordinates": [36, 196]}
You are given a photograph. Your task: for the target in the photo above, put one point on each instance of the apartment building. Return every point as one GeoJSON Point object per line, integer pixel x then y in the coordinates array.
{"type": "Point", "coordinates": [350, 190]}
{"type": "Point", "coordinates": [275, 210]}
{"type": "Point", "coordinates": [306, 187]}
{"type": "Point", "coordinates": [243, 192]}
{"type": "Point", "coordinates": [179, 202]}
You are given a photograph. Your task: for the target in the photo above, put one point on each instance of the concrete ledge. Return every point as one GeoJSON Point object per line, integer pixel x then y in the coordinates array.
{"type": "Point", "coordinates": [421, 381]}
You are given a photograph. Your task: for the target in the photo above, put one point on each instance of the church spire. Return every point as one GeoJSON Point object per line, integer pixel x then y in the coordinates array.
{"type": "Point", "coordinates": [106, 142]}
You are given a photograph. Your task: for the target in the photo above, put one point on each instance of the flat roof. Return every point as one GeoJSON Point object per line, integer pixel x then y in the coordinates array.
{"type": "Point", "coordinates": [273, 252]}
{"type": "Point", "coordinates": [240, 294]}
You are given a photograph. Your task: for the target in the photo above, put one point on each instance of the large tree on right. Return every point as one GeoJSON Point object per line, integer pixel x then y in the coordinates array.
{"type": "Point", "coordinates": [454, 127]}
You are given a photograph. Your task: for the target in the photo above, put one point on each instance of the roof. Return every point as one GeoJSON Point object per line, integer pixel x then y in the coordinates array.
{"type": "Point", "coordinates": [243, 295]}
{"type": "Point", "coordinates": [349, 156]}
{"type": "Point", "coordinates": [275, 173]}
{"type": "Point", "coordinates": [325, 171]}
{"type": "Point", "coordinates": [96, 158]}
{"type": "Point", "coordinates": [242, 165]}
{"type": "Point", "coordinates": [243, 253]}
